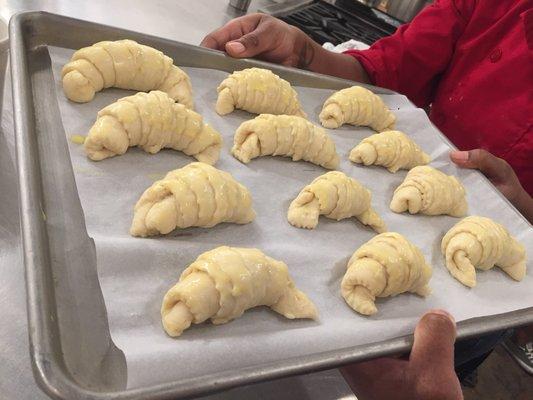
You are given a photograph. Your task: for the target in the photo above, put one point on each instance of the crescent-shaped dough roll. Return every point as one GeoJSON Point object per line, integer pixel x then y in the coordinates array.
{"type": "Point", "coordinates": [386, 265]}
{"type": "Point", "coordinates": [123, 64]}
{"type": "Point", "coordinates": [426, 190]}
{"type": "Point", "coordinates": [153, 122]}
{"type": "Point", "coordinates": [258, 91]}
{"type": "Point", "coordinates": [195, 195]}
{"type": "Point", "coordinates": [284, 135]}
{"type": "Point", "coordinates": [224, 282]}
{"type": "Point", "coordinates": [479, 242]}
{"type": "Point", "coordinates": [336, 196]}
{"type": "Point", "coordinates": [391, 149]}
{"type": "Point", "coordinates": [356, 106]}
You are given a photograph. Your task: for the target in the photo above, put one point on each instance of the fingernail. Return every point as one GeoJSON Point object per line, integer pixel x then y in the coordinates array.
{"type": "Point", "coordinates": [443, 313]}
{"type": "Point", "coordinates": [235, 47]}
{"type": "Point", "coordinates": [460, 155]}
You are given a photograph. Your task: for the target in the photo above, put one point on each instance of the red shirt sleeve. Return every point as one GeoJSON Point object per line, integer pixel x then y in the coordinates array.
{"type": "Point", "coordinates": [413, 58]}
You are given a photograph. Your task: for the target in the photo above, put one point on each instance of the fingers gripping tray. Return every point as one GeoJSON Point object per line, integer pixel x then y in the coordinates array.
{"type": "Point", "coordinates": [75, 348]}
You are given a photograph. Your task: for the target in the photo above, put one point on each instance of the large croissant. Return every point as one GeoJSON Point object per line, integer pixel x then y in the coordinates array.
{"type": "Point", "coordinates": [195, 195]}
{"type": "Point", "coordinates": [284, 135]}
{"type": "Point", "coordinates": [391, 149]}
{"type": "Point", "coordinates": [224, 282]}
{"type": "Point", "coordinates": [336, 196]}
{"type": "Point", "coordinates": [356, 106]}
{"type": "Point", "coordinates": [479, 242]}
{"type": "Point", "coordinates": [151, 121]}
{"type": "Point", "coordinates": [429, 191]}
{"type": "Point", "coordinates": [124, 64]}
{"type": "Point", "coordinates": [386, 265]}
{"type": "Point", "coordinates": [258, 91]}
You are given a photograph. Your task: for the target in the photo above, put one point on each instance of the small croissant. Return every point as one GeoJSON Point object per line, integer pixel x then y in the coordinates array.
{"type": "Point", "coordinates": [386, 265]}
{"type": "Point", "coordinates": [336, 196]}
{"type": "Point", "coordinates": [151, 121]}
{"type": "Point", "coordinates": [479, 242]}
{"type": "Point", "coordinates": [123, 64]}
{"type": "Point", "coordinates": [391, 149]}
{"type": "Point", "coordinates": [356, 106]}
{"type": "Point", "coordinates": [429, 191]}
{"type": "Point", "coordinates": [258, 91]}
{"type": "Point", "coordinates": [224, 282]}
{"type": "Point", "coordinates": [195, 195]}
{"type": "Point", "coordinates": [284, 135]}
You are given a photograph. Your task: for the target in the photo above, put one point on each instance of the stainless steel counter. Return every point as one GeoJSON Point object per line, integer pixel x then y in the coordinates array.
{"type": "Point", "coordinates": [184, 20]}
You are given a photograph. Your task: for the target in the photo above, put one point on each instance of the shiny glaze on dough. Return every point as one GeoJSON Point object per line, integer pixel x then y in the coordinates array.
{"type": "Point", "coordinates": [124, 64]}
{"type": "Point", "coordinates": [258, 91]}
{"type": "Point", "coordinates": [195, 195]}
{"type": "Point", "coordinates": [284, 135]}
{"type": "Point", "coordinates": [386, 265]}
{"type": "Point", "coordinates": [151, 121]}
{"type": "Point", "coordinates": [391, 149]}
{"type": "Point", "coordinates": [225, 282]}
{"type": "Point", "coordinates": [480, 243]}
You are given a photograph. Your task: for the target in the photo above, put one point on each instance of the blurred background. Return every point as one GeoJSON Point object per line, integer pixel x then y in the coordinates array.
{"type": "Point", "coordinates": [336, 21]}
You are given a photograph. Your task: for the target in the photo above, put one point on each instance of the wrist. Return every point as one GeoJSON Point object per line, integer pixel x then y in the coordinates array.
{"type": "Point", "coordinates": [305, 49]}
{"type": "Point", "coordinates": [336, 64]}
{"type": "Point", "coordinates": [322, 60]}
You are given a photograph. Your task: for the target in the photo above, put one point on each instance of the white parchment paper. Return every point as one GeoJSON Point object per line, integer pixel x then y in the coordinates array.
{"type": "Point", "coordinates": [135, 273]}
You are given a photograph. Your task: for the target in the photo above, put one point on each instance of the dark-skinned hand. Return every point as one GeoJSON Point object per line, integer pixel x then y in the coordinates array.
{"type": "Point", "coordinates": [501, 175]}
{"type": "Point", "coordinates": [427, 374]}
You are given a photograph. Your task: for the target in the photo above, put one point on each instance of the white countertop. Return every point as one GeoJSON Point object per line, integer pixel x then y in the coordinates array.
{"type": "Point", "coordinates": [183, 20]}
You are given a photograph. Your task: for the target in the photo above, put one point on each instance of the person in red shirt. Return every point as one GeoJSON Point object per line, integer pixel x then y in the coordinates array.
{"type": "Point", "coordinates": [469, 62]}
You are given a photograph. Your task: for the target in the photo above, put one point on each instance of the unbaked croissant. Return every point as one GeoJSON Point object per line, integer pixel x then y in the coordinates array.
{"type": "Point", "coordinates": [151, 121]}
{"type": "Point", "coordinates": [386, 265]}
{"type": "Point", "coordinates": [195, 195]}
{"type": "Point", "coordinates": [391, 149]}
{"type": "Point", "coordinates": [284, 135]}
{"type": "Point", "coordinates": [336, 196]}
{"type": "Point", "coordinates": [124, 64]}
{"type": "Point", "coordinates": [258, 91]}
{"type": "Point", "coordinates": [479, 242]}
{"type": "Point", "coordinates": [224, 282]}
{"type": "Point", "coordinates": [429, 191]}
{"type": "Point", "coordinates": [356, 106]}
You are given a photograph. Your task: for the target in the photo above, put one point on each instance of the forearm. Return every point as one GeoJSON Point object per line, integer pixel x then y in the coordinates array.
{"type": "Point", "coordinates": [524, 204]}
{"type": "Point", "coordinates": [314, 57]}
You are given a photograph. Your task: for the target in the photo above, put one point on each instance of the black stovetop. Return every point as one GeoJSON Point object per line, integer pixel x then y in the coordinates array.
{"type": "Point", "coordinates": [339, 21]}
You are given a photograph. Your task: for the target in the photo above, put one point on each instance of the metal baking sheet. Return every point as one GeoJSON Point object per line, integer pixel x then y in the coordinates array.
{"type": "Point", "coordinates": [72, 350]}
